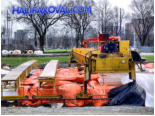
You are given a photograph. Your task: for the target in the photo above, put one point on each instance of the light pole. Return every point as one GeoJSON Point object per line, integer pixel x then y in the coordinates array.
{"type": "Point", "coordinates": [134, 45]}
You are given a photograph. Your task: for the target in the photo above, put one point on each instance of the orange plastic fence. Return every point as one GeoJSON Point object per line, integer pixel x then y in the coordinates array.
{"type": "Point", "coordinates": [70, 83]}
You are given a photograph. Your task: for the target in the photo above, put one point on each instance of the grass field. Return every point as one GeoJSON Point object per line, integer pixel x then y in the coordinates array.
{"type": "Point", "coordinates": [149, 58]}
{"type": "Point", "coordinates": [15, 61]}
{"type": "Point", "coordinates": [58, 50]}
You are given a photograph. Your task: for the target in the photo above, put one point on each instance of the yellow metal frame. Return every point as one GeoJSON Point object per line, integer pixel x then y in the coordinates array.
{"type": "Point", "coordinates": [17, 83]}
{"type": "Point", "coordinates": [47, 79]}
{"type": "Point", "coordinates": [52, 88]}
{"type": "Point", "coordinates": [96, 62]}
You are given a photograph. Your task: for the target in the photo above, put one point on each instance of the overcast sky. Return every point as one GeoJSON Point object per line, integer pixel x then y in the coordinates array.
{"type": "Point", "coordinates": [119, 3]}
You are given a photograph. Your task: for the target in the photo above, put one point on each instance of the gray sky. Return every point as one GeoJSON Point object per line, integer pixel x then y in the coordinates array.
{"type": "Point", "coordinates": [119, 3]}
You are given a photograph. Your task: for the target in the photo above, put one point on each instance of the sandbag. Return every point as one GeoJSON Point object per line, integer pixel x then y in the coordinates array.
{"type": "Point", "coordinates": [38, 52]}
{"type": "Point", "coordinates": [69, 83]}
{"type": "Point", "coordinates": [71, 91]}
{"type": "Point", "coordinates": [129, 94]}
{"type": "Point", "coordinates": [67, 74]}
{"type": "Point", "coordinates": [15, 52]}
{"type": "Point", "coordinates": [95, 89]}
{"type": "Point", "coordinates": [57, 83]}
{"type": "Point", "coordinates": [5, 52]}
{"type": "Point", "coordinates": [80, 78]}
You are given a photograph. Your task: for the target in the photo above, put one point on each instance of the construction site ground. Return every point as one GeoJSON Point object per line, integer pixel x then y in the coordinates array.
{"type": "Point", "coordinates": [104, 110]}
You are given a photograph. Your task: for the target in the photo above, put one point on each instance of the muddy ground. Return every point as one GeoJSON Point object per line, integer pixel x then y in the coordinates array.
{"type": "Point", "coordinates": [106, 110]}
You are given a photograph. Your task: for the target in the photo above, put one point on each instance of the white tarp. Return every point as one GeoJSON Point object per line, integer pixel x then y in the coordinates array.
{"type": "Point", "coordinates": [146, 81]}
{"type": "Point", "coordinates": [143, 79]}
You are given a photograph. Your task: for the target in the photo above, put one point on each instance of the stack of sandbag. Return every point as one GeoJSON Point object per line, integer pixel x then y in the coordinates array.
{"type": "Point", "coordinates": [5, 52]}
{"type": "Point", "coordinates": [16, 52]}
{"type": "Point", "coordinates": [98, 91]}
{"type": "Point", "coordinates": [10, 52]}
{"type": "Point", "coordinates": [38, 52]}
{"type": "Point", "coordinates": [69, 83]}
{"type": "Point", "coordinates": [29, 52]}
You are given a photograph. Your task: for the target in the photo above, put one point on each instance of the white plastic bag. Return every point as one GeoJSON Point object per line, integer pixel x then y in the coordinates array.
{"type": "Point", "coordinates": [5, 52]}
{"type": "Point", "coordinates": [38, 52]}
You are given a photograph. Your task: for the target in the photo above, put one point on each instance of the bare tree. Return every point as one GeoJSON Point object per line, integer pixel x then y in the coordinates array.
{"type": "Point", "coordinates": [104, 13]}
{"type": "Point", "coordinates": [40, 23]}
{"type": "Point", "coordinates": [143, 19]}
{"type": "Point", "coordinates": [79, 21]}
{"type": "Point", "coordinates": [118, 16]}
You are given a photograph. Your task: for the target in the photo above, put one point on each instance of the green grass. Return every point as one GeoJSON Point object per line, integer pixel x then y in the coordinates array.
{"type": "Point", "coordinates": [15, 61]}
{"type": "Point", "coordinates": [58, 50]}
{"type": "Point", "coordinates": [148, 58]}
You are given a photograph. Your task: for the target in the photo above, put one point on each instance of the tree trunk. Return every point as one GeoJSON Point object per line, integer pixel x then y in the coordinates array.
{"type": "Point", "coordinates": [77, 42]}
{"type": "Point", "coordinates": [41, 41]}
{"type": "Point", "coordinates": [144, 38]}
{"type": "Point", "coordinates": [81, 39]}
{"type": "Point", "coordinates": [77, 39]}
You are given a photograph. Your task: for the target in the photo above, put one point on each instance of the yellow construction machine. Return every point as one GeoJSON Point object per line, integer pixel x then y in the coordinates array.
{"type": "Point", "coordinates": [111, 56]}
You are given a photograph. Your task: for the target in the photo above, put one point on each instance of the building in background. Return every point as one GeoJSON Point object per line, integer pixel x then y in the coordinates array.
{"type": "Point", "coordinates": [24, 40]}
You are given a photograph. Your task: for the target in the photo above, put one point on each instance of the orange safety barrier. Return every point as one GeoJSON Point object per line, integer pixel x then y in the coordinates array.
{"type": "Point", "coordinates": [150, 67]}
{"type": "Point", "coordinates": [70, 83]}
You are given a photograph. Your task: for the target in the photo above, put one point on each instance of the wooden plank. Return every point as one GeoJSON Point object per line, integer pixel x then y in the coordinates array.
{"type": "Point", "coordinates": [19, 71]}
{"type": "Point", "coordinates": [50, 69]}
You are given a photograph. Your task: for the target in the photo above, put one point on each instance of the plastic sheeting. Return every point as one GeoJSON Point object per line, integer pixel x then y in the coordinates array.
{"type": "Point", "coordinates": [129, 94]}
{"type": "Point", "coordinates": [146, 81]}
{"type": "Point", "coordinates": [143, 79]}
